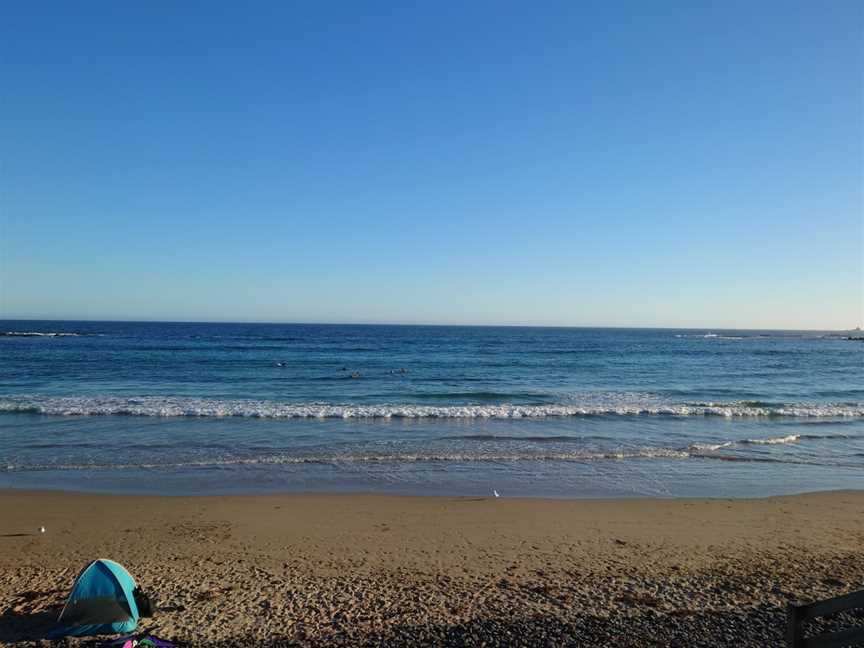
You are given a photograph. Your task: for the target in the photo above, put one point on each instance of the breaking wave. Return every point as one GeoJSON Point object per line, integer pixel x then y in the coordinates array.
{"type": "Point", "coordinates": [400, 458]}
{"type": "Point", "coordinates": [167, 406]}
{"type": "Point", "coordinates": [789, 438]}
{"type": "Point", "coordinates": [710, 336]}
{"type": "Point", "coordinates": [38, 334]}
{"type": "Point", "coordinates": [778, 440]}
{"type": "Point", "coordinates": [710, 447]}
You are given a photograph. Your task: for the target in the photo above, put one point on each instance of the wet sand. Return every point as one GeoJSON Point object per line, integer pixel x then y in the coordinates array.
{"type": "Point", "coordinates": [320, 570]}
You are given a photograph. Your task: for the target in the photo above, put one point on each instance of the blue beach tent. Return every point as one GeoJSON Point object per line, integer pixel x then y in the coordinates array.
{"type": "Point", "coordinates": [101, 602]}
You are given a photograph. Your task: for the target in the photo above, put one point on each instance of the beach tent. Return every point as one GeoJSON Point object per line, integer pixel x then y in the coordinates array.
{"type": "Point", "coordinates": [101, 602]}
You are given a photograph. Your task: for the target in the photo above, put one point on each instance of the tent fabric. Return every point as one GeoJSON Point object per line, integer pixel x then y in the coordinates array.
{"type": "Point", "coordinates": [106, 609]}
{"type": "Point", "coordinates": [101, 602]}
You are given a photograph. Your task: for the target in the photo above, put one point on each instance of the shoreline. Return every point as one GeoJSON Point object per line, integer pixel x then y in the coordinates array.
{"type": "Point", "coordinates": [372, 569]}
{"type": "Point", "coordinates": [10, 490]}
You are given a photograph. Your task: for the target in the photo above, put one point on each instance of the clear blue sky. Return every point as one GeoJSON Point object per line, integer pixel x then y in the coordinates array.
{"type": "Point", "coordinates": [574, 163]}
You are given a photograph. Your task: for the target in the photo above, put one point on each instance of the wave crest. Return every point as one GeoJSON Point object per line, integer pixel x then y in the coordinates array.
{"type": "Point", "coordinates": [38, 334]}
{"type": "Point", "coordinates": [789, 438]}
{"type": "Point", "coordinates": [167, 406]}
{"type": "Point", "coordinates": [635, 454]}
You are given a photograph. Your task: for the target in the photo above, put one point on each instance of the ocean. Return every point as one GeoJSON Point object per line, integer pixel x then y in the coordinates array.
{"type": "Point", "coordinates": [190, 408]}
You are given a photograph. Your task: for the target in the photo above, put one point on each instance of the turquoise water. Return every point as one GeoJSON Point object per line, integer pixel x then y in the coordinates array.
{"type": "Point", "coordinates": [211, 408]}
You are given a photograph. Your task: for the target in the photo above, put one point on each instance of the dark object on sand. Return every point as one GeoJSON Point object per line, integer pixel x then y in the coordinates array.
{"type": "Point", "coordinates": [102, 601]}
{"type": "Point", "coordinates": [145, 606]}
{"type": "Point", "coordinates": [798, 614]}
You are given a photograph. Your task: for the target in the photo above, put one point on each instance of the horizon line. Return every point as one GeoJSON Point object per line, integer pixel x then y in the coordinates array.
{"type": "Point", "coordinates": [418, 324]}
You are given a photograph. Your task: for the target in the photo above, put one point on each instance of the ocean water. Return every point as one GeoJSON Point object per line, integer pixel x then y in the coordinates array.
{"type": "Point", "coordinates": [557, 412]}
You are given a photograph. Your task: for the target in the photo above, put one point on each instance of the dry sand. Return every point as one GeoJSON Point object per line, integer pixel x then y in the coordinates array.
{"type": "Point", "coordinates": [320, 570]}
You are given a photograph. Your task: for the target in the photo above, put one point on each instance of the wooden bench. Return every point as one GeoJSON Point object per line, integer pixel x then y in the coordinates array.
{"type": "Point", "coordinates": [798, 614]}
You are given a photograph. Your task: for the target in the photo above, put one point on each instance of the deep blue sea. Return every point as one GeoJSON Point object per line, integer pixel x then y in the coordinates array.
{"type": "Point", "coordinates": [560, 412]}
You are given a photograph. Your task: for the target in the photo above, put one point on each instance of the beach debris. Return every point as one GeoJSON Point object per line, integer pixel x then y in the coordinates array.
{"type": "Point", "coordinates": [41, 529]}
{"type": "Point", "coordinates": [495, 493]}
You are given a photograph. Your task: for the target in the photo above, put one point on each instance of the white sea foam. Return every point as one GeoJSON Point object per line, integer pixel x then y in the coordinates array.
{"type": "Point", "coordinates": [698, 448]}
{"type": "Point", "coordinates": [37, 334]}
{"type": "Point", "coordinates": [710, 447]}
{"type": "Point", "coordinates": [359, 459]}
{"type": "Point", "coordinates": [168, 406]}
{"type": "Point", "coordinates": [363, 458]}
{"type": "Point", "coordinates": [789, 438]}
{"type": "Point", "coordinates": [780, 440]}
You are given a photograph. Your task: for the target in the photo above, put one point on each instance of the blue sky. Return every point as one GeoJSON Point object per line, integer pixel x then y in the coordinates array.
{"type": "Point", "coordinates": [565, 163]}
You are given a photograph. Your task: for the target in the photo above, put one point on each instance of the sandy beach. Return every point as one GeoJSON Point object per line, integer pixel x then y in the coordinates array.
{"type": "Point", "coordinates": [316, 570]}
